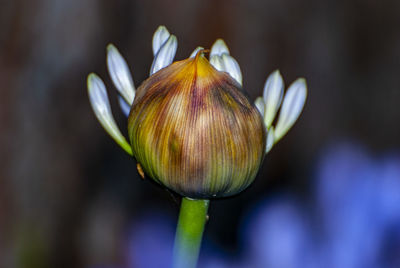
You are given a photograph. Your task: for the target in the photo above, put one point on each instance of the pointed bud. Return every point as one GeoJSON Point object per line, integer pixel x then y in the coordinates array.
{"type": "Point", "coordinates": [125, 107]}
{"type": "Point", "coordinates": [194, 131]}
{"type": "Point", "coordinates": [292, 106]}
{"type": "Point", "coordinates": [219, 48]}
{"type": "Point", "coordinates": [165, 55]}
{"type": "Point", "coordinates": [194, 53]}
{"type": "Point", "coordinates": [270, 139]}
{"type": "Point", "coordinates": [101, 106]}
{"type": "Point", "coordinates": [159, 38]}
{"type": "Point", "coordinates": [259, 103]}
{"type": "Point", "coordinates": [232, 67]}
{"type": "Point", "coordinates": [120, 74]}
{"type": "Point", "coordinates": [273, 93]}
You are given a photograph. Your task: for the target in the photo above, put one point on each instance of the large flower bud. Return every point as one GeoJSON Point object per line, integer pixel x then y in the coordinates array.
{"type": "Point", "coordinates": [194, 131]}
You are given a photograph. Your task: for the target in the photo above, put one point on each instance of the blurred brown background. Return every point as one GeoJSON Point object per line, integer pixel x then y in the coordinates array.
{"type": "Point", "coordinates": [67, 191]}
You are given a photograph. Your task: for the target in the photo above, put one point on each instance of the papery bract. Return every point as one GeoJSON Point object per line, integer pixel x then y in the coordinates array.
{"type": "Point", "coordinates": [193, 130]}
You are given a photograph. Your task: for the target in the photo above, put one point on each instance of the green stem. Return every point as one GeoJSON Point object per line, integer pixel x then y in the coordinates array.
{"type": "Point", "coordinates": [192, 217]}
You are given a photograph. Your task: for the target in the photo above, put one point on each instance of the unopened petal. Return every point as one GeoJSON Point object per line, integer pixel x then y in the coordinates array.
{"type": "Point", "coordinates": [120, 74]}
{"type": "Point", "coordinates": [125, 107]}
{"type": "Point", "coordinates": [232, 67]}
{"type": "Point", "coordinates": [219, 48]}
{"type": "Point", "coordinates": [165, 55]}
{"type": "Point", "coordinates": [194, 53]}
{"type": "Point", "coordinates": [160, 36]}
{"type": "Point", "coordinates": [226, 63]}
{"type": "Point", "coordinates": [270, 140]}
{"type": "Point", "coordinates": [101, 107]}
{"type": "Point", "coordinates": [217, 62]}
{"type": "Point", "coordinates": [259, 103]}
{"type": "Point", "coordinates": [291, 108]}
{"type": "Point", "coordinates": [273, 93]}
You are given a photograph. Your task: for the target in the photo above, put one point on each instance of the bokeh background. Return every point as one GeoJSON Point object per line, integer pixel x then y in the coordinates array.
{"type": "Point", "coordinates": [328, 195]}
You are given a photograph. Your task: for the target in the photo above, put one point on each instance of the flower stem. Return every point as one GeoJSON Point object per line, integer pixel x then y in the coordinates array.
{"type": "Point", "coordinates": [192, 218]}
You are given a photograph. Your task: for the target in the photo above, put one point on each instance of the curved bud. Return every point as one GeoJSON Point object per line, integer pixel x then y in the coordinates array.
{"type": "Point", "coordinates": [292, 106]}
{"type": "Point", "coordinates": [232, 67]}
{"type": "Point", "coordinates": [226, 63]}
{"type": "Point", "coordinates": [125, 107]}
{"type": "Point", "coordinates": [165, 55]}
{"type": "Point", "coordinates": [217, 62]}
{"type": "Point", "coordinates": [194, 53]}
{"type": "Point", "coordinates": [273, 93]}
{"type": "Point", "coordinates": [194, 131]}
{"type": "Point", "coordinates": [259, 103]}
{"type": "Point", "coordinates": [99, 100]}
{"type": "Point", "coordinates": [222, 61]}
{"type": "Point", "coordinates": [120, 74]}
{"type": "Point", "coordinates": [270, 140]}
{"type": "Point", "coordinates": [160, 36]}
{"type": "Point", "coordinates": [219, 48]}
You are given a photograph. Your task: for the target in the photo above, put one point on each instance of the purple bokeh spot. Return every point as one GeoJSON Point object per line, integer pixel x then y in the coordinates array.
{"type": "Point", "coordinates": [277, 235]}
{"type": "Point", "coordinates": [150, 241]}
{"type": "Point", "coordinates": [351, 221]}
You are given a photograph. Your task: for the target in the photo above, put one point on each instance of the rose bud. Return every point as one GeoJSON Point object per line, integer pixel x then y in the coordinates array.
{"type": "Point", "coordinates": [193, 130]}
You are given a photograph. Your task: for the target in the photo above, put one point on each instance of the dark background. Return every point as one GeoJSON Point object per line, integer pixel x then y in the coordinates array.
{"type": "Point", "coordinates": [68, 192]}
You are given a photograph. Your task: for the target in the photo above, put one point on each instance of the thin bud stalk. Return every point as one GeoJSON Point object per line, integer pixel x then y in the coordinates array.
{"type": "Point", "coordinates": [189, 232]}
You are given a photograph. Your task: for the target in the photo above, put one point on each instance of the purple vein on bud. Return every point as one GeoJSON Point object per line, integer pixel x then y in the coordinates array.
{"type": "Point", "coordinates": [193, 131]}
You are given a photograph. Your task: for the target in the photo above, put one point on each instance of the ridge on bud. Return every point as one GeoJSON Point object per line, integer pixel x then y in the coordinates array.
{"type": "Point", "coordinates": [193, 130]}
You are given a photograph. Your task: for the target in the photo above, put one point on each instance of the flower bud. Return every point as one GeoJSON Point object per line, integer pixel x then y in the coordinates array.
{"type": "Point", "coordinates": [193, 130]}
